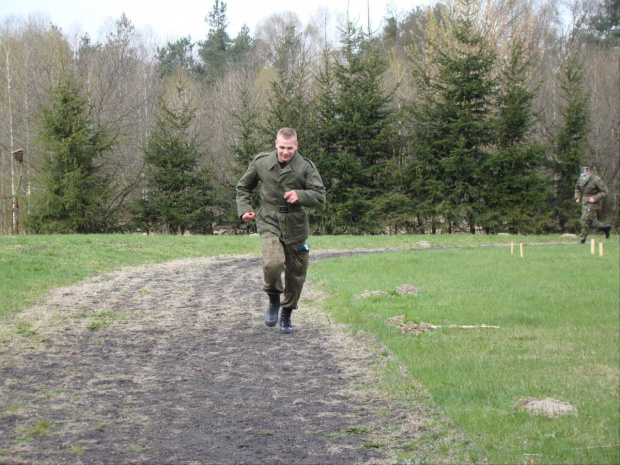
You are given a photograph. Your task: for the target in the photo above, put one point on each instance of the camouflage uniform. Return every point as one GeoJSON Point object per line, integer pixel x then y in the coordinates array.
{"type": "Point", "coordinates": [590, 186]}
{"type": "Point", "coordinates": [283, 227]}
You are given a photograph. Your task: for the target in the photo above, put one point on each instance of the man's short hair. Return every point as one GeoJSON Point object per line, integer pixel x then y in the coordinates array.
{"type": "Point", "coordinates": [287, 133]}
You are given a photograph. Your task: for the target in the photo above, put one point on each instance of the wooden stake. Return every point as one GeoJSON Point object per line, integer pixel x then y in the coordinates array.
{"type": "Point", "coordinates": [600, 249]}
{"type": "Point", "coordinates": [592, 247]}
{"type": "Point", "coordinates": [521, 247]}
{"type": "Point", "coordinates": [512, 248]}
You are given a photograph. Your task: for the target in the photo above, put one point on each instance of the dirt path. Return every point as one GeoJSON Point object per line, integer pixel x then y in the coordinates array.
{"type": "Point", "coordinates": [172, 364]}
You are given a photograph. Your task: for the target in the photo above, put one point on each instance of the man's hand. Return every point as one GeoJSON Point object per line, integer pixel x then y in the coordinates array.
{"type": "Point", "coordinates": [248, 216]}
{"type": "Point", "coordinates": [577, 200]}
{"type": "Point", "coordinates": [291, 197]}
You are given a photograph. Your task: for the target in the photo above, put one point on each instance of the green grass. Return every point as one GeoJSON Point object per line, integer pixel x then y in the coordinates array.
{"type": "Point", "coordinates": [558, 312]}
{"type": "Point", "coordinates": [37, 428]}
{"type": "Point", "coordinates": [32, 265]}
{"type": "Point", "coordinates": [557, 308]}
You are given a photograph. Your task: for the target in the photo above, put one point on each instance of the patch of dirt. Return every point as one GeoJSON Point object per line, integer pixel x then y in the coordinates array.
{"type": "Point", "coordinates": [407, 289]}
{"type": "Point", "coordinates": [410, 327]}
{"type": "Point", "coordinates": [414, 328]}
{"type": "Point", "coordinates": [172, 364]}
{"type": "Point", "coordinates": [366, 293]}
{"type": "Point", "coordinates": [548, 407]}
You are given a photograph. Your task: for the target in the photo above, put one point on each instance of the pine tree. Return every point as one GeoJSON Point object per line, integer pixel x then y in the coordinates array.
{"type": "Point", "coordinates": [72, 190]}
{"type": "Point", "coordinates": [604, 26]}
{"type": "Point", "coordinates": [214, 50]}
{"type": "Point", "coordinates": [179, 195]}
{"type": "Point", "coordinates": [241, 45]}
{"type": "Point", "coordinates": [177, 55]}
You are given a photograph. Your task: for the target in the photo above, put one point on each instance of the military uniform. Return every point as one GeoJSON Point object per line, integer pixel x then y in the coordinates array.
{"type": "Point", "coordinates": [590, 186]}
{"type": "Point", "coordinates": [283, 227]}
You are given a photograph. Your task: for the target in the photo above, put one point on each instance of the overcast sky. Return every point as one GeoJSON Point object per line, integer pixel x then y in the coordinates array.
{"type": "Point", "coordinates": [171, 19]}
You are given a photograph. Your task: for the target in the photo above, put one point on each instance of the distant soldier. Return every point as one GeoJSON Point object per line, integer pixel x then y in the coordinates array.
{"type": "Point", "coordinates": [590, 192]}
{"type": "Point", "coordinates": [288, 182]}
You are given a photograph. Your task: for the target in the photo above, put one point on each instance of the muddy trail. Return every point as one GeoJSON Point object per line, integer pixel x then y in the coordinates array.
{"type": "Point", "coordinates": [172, 364]}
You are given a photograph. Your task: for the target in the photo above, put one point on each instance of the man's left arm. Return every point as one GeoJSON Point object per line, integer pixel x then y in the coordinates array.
{"type": "Point", "coordinates": [602, 191]}
{"type": "Point", "coordinates": [314, 193]}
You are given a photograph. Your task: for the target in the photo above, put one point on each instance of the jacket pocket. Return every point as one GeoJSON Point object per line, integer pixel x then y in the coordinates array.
{"type": "Point", "coordinates": [297, 225]}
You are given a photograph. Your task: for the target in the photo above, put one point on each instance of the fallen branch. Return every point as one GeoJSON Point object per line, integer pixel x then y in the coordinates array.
{"type": "Point", "coordinates": [399, 322]}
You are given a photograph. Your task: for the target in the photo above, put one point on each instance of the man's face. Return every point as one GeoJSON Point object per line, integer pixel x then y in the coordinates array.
{"type": "Point", "coordinates": [286, 148]}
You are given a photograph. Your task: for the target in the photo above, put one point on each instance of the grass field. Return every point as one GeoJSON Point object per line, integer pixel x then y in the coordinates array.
{"type": "Point", "coordinates": [557, 310]}
{"type": "Point", "coordinates": [557, 313]}
{"type": "Point", "coordinates": [31, 265]}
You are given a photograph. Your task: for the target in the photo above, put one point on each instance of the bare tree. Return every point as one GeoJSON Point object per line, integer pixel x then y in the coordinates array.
{"type": "Point", "coordinates": [33, 55]}
{"type": "Point", "coordinates": [121, 79]}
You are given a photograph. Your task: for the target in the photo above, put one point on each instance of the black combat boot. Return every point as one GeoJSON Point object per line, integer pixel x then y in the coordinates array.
{"type": "Point", "coordinates": [607, 230]}
{"type": "Point", "coordinates": [271, 316]}
{"type": "Point", "coordinates": [286, 326]}
{"type": "Point", "coordinates": [583, 239]}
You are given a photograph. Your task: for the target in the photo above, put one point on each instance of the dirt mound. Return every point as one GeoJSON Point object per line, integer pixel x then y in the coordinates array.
{"type": "Point", "coordinates": [548, 407]}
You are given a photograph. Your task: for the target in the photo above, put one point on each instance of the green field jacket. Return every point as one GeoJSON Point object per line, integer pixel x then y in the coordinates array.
{"type": "Point", "coordinates": [299, 175]}
{"type": "Point", "coordinates": [592, 187]}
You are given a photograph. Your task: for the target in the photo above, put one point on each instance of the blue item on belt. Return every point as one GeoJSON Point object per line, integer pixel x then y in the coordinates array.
{"type": "Point", "coordinates": [303, 248]}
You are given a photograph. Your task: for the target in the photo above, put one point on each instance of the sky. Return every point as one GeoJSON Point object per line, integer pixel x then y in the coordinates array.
{"type": "Point", "coordinates": [171, 20]}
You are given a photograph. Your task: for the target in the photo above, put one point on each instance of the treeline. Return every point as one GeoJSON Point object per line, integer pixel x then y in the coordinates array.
{"type": "Point", "coordinates": [460, 117]}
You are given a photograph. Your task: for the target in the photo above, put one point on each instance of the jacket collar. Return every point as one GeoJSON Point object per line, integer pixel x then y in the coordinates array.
{"type": "Point", "coordinates": [294, 163]}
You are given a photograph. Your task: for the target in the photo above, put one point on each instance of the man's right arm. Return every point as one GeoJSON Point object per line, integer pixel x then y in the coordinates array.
{"type": "Point", "coordinates": [245, 188]}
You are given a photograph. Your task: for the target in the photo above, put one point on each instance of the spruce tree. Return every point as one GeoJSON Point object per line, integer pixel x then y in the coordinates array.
{"type": "Point", "coordinates": [453, 127]}
{"type": "Point", "coordinates": [72, 191]}
{"type": "Point", "coordinates": [570, 143]}
{"type": "Point", "coordinates": [179, 196]}
{"type": "Point", "coordinates": [289, 102]}
{"type": "Point", "coordinates": [247, 141]}
{"type": "Point", "coordinates": [322, 137]}
{"type": "Point", "coordinates": [247, 127]}
{"type": "Point", "coordinates": [516, 194]}
{"type": "Point", "coordinates": [355, 141]}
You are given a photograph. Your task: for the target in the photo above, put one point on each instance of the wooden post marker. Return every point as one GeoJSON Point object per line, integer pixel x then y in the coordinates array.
{"type": "Point", "coordinates": [600, 249]}
{"type": "Point", "coordinates": [521, 248]}
{"type": "Point", "coordinates": [512, 248]}
{"type": "Point", "coordinates": [592, 247]}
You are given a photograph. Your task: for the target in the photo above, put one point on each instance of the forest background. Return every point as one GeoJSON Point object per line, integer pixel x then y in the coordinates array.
{"type": "Point", "coordinates": [464, 116]}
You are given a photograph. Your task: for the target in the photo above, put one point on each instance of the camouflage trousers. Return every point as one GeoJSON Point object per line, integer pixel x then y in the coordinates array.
{"type": "Point", "coordinates": [589, 221]}
{"type": "Point", "coordinates": [280, 258]}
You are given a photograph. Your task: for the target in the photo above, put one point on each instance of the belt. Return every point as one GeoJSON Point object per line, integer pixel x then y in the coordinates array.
{"type": "Point", "coordinates": [282, 208]}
